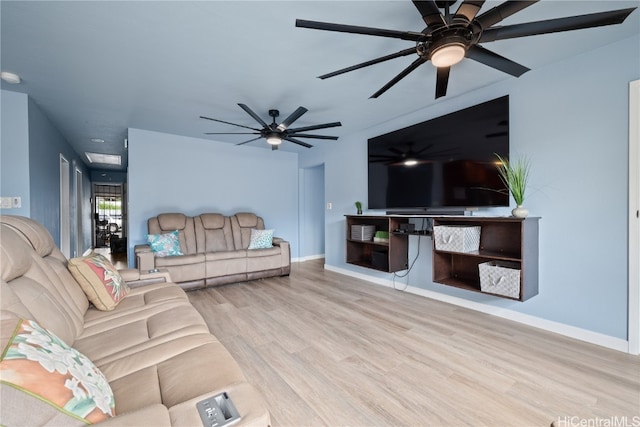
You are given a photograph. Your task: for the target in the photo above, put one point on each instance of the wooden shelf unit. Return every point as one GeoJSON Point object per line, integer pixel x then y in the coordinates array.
{"type": "Point", "coordinates": [396, 251]}
{"type": "Point", "coordinates": [501, 239]}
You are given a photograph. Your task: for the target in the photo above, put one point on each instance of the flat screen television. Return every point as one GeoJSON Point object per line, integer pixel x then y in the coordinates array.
{"type": "Point", "coordinates": [446, 163]}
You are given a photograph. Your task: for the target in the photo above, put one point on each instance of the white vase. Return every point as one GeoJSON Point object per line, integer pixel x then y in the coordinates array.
{"type": "Point", "coordinates": [519, 212]}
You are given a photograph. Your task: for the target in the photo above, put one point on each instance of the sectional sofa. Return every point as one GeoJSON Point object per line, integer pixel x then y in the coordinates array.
{"type": "Point", "coordinates": [146, 358]}
{"type": "Point", "coordinates": [215, 249]}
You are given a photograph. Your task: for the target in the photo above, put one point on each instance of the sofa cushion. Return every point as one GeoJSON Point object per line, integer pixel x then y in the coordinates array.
{"type": "Point", "coordinates": [100, 280]}
{"type": "Point", "coordinates": [261, 239]}
{"type": "Point", "coordinates": [213, 233]}
{"type": "Point", "coordinates": [40, 364]}
{"type": "Point", "coordinates": [166, 244]}
{"type": "Point", "coordinates": [172, 221]}
{"type": "Point", "coordinates": [212, 220]}
{"type": "Point", "coordinates": [241, 224]}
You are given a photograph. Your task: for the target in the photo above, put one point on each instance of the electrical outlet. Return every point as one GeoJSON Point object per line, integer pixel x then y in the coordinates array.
{"type": "Point", "coordinates": [16, 202]}
{"type": "Point", "coordinates": [5, 202]}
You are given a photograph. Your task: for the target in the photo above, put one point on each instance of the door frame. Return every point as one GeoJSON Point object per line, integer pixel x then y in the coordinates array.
{"type": "Point", "coordinates": [633, 330]}
{"type": "Point", "coordinates": [65, 208]}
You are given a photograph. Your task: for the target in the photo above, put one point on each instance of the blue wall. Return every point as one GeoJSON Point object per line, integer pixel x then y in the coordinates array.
{"type": "Point", "coordinates": [14, 150]}
{"type": "Point", "coordinates": [33, 146]}
{"type": "Point", "coordinates": [571, 120]}
{"type": "Point", "coordinates": [170, 173]}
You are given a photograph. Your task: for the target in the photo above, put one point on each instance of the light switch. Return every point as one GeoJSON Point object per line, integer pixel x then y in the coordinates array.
{"type": "Point", "coordinates": [329, 206]}
{"type": "Point", "coordinates": [5, 202]}
{"type": "Point", "coordinates": [16, 202]}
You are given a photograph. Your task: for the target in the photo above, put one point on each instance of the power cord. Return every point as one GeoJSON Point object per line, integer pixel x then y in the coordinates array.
{"type": "Point", "coordinates": [396, 275]}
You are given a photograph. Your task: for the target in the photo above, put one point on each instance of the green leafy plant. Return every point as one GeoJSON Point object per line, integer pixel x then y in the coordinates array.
{"type": "Point", "coordinates": [359, 207]}
{"type": "Point", "coordinates": [515, 176]}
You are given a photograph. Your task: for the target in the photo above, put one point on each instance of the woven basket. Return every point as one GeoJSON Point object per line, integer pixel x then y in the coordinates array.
{"type": "Point", "coordinates": [502, 278]}
{"type": "Point", "coordinates": [459, 238]}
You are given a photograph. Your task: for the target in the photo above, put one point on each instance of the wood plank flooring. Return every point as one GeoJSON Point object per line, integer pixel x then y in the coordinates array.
{"type": "Point", "coordinates": [330, 350]}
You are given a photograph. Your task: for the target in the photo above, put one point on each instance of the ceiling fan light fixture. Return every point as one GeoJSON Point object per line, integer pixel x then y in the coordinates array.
{"type": "Point", "coordinates": [274, 140]}
{"type": "Point", "coordinates": [448, 55]}
{"type": "Point", "coordinates": [11, 78]}
{"type": "Point", "coordinates": [410, 162]}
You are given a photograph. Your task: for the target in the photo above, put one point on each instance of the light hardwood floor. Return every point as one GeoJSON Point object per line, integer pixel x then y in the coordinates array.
{"type": "Point", "coordinates": [329, 350]}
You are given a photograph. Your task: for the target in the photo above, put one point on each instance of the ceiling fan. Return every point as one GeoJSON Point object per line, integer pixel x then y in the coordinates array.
{"type": "Point", "coordinates": [274, 133]}
{"type": "Point", "coordinates": [448, 38]}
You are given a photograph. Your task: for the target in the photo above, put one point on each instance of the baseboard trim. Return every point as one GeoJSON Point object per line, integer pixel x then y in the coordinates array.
{"type": "Point", "coordinates": [307, 258]}
{"type": "Point", "coordinates": [527, 319]}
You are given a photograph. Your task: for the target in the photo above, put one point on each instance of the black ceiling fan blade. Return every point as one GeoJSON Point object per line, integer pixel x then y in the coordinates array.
{"type": "Point", "coordinates": [304, 135]}
{"type": "Point", "coordinates": [355, 29]}
{"type": "Point", "coordinates": [502, 11]}
{"type": "Point", "coordinates": [254, 115]}
{"type": "Point", "coordinates": [314, 127]}
{"type": "Point", "coordinates": [442, 81]}
{"type": "Point", "coordinates": [292, 118]}
{"type": "Point", "coordinates": [469, 9]}
{"type": "Point", "coordinates": [415, 64]}
{"type": "Point", "coordinates": [245, 142]}
{"type": "Point", "coordinates": [403, 52]}
{"type": "Point", "coordinates": [295, 141]}
{"type": "Point", "coordinates": [427, 147]}
{"type": "Point", "coordinates": [492, 59]}
{"type": "Point", "coordinates": [232, 133]}
{"type": "Point", "coordinates": [570, 23]}
{"type": "Point", "coordinates": [430, 13]}
{"type": "Point", "coordinates": [229, 123]}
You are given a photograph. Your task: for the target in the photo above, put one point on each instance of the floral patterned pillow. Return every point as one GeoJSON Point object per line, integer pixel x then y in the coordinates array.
{"type": "Point", "coordinates": [99, 280]}
{"type": "Point", "coordinates": [38, 363]}
{"type": "Point", "coordinates": [167, 244]}
{"type": "Point", "coordinates": [261, 239]}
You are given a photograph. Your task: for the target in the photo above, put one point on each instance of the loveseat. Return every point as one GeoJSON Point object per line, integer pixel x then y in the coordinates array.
{"type": "Point", "coordinates": [144, 359]}
{"type": "Point", "coordinates": [215, 249]}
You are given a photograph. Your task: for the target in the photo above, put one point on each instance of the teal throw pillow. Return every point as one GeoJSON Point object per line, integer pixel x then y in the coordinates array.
{"type": "Point", "coordinates": [167, 244]}
{"type": "Point", "coordinates": [261, 239]}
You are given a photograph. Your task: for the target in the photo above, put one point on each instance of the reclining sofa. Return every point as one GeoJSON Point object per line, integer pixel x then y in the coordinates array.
{"type": "Point", "coordinates": [148, 361]}
{"type": "Point", "coordinates": [215, 250]}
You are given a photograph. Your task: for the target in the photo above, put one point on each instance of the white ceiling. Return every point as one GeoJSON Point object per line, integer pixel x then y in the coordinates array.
{"type": "Point", "coordinates": [97, 68]}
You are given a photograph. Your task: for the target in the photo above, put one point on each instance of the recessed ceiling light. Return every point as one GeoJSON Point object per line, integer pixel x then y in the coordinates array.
{"type": "Point", "coordinates": [10, 77]}
{"type": "Point", "coordinates": [107, 159]}
{"type": "Point", "coordinates": [99, 140]}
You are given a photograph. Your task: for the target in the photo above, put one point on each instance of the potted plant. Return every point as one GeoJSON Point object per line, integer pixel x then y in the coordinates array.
{"type": "Point", "coordinates": [359, 207]}
{"type": "Point", "coordinates": [515, 175]}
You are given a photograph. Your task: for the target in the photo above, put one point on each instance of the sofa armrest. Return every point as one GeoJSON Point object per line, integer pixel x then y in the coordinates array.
{"type": "Point", "coordinates": [285, 252]}
{"type": "Point", "coordinates": [135, 278]}
{"type": "Point", "coordinates": [129, 274]}
{"type": "Point", "coordinates": [153, 415]}
{"type": "Point", "coordinates": [145, 259]}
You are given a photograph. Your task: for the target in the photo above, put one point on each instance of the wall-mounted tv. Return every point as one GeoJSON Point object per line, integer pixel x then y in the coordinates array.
{"type": "Point", "coordinates": [448, 162]}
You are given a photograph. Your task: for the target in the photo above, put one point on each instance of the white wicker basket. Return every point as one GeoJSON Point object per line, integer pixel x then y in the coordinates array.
{"type": "Point", "coordinates": [362, 232]}
{"type": "Point", "coordinates": [502, 278]}
{"type": "Point", "coordinates": [459, 238]}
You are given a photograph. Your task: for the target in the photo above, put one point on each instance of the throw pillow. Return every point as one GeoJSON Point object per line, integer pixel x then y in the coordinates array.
{"type": "Point", "coordinates": [99, 280]}
{"type": "Point", "coordinates": [167, 244]}
{"type": "Point", "coordinates": [261, 239]}
{"type": "Point", "coordinates": [37, 362]}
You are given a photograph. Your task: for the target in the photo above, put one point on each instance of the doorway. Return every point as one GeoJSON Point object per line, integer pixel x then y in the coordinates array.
{"type": "Point", "coordinates": [65, 211]}
{"type": "Point", "coordinates": [109, 218]}
{"type": "Point", "coordinates": [78, 193]}
{"type": "Point", "coordinates": [311, 213]}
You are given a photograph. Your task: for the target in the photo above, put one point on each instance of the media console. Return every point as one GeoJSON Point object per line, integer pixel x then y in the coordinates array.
{"type": "Point", "coordinates": [509, 239]}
